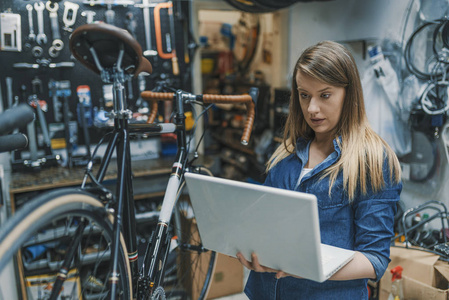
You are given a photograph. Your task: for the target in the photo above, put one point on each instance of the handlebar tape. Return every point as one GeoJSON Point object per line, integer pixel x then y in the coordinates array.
{"type": "Point", "coordinates": [247, 99]}
{"type": "Point", "coordinates": [15, 117]}
{"type": "Point", "coordinates": [12, 142]}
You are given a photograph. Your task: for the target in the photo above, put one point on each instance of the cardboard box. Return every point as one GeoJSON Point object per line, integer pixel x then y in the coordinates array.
{"type": "Point", "coordinates": [424, 276]}
{"type": "Point", "coordinates": [227, 277]}
{"type": "Point", "coordinates": [40, 286]}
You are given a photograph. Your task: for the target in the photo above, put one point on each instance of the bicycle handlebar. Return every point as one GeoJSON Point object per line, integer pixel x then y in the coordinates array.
{"type": "Point", "coordinates": [11, 119]}
{"type": "Point", "coordinates": [248, 99]}
{"type": "Point", "coordinates": [15, 117]}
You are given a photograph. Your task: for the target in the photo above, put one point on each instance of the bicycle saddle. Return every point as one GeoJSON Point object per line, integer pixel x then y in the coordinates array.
{"type": "Point", "coordinates": [106, 40]}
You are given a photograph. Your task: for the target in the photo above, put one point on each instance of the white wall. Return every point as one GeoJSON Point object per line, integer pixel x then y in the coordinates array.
{"type": "Point", "coordinates": [343, 21]}
{"type": "Point", "coordinates": [353, 21]}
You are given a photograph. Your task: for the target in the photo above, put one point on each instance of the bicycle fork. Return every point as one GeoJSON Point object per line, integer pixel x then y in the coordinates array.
{"type": "Point", "coordinates": [152, 273]}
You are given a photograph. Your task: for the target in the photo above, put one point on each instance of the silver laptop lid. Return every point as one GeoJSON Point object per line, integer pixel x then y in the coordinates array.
{"type": "Point", "coordinates": [280, 226]}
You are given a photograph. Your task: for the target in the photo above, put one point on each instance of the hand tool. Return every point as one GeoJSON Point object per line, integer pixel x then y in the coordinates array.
{"type": "Point", "coordinates": [9, 93]}
{"type": "Point", "coordinates": [89, 14]}
{"type": "Point", "coordinates": [42, 122]}
{"type": "Point", "coordinates": [168, 42]}
{"type": "Point", "coordinates": [1, 99]}
{"type": "Point", "coordinates": [44, 64]}
{"type": "Point", "coordinates": [69, 17]}
{"type": "Point", "coordinates": [32, 144]}
{"type": "Point", "coordinates": [36, 86]}
{"type": "Point", "coordinates": [109, 14]}
{"type": "Point", "coordinates": [57, 105]}
{"type": "Point", "coordinates": [147, 24]}
{"type": "Point", "coordinates": [37, 51]}
{"type": "Point", "coordinates": [41, 38]}
{"type": "Point", "coordinates": [105, 2]}
{"type": "Point", "coordinates": [34, 101]}
{"type": "Point", "coordinates": [57, 43]}
{"type": "Point", "coordinates": [173, 40]}
{"type": "Point", "coordinates": [53, 52]}
{"type": "Point", "coordinates": [157, 22]}
{"type": "Point", "coordinates": [10, 32]}
{"type": "Point", "coordinates": [66, 117]}
{"type": "Point", "coordinates": [31, 35]}
{"type": "Point", "coordinates": [129, 88]}
{"type": "Point", "coordinates": [85, 119]}
{"type": "Point", "coordinates": [131, 23]}
{"type": "Point", "coordinates": [140, 103]}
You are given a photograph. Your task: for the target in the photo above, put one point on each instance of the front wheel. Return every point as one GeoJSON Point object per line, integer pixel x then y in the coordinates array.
{"type": "Point", "coordinates": [70, 226]}
{"type": "Point", "coordinates": [188, 266]}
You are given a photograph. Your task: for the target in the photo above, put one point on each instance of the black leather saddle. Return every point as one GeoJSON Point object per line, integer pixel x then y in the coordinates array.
{"type": "Point", "coordinates": [107, 41]}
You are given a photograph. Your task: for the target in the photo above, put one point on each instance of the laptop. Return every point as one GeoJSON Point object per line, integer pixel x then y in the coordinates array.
{"type": "Point", "coordinates": [280, 226]}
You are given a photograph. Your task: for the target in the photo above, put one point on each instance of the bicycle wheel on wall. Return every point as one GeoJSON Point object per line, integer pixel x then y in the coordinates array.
{"type": "Point", "coordinates": [250, 6]}
{"type": "Point", "coordinates": [39, 235]}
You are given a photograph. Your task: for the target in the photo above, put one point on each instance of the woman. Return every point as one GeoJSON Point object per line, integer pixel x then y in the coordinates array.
{"type": "Point", "coordinates": [330, 150]}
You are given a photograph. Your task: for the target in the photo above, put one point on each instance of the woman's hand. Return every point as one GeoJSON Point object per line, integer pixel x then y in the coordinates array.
{"type": "Point", "coordinates": [255, 265]}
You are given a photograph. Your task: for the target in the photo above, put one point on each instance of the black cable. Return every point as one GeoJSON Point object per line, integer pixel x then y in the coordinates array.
{"type": "Point", "coordinates": [407, 52]}
{"type": "Point", "coordinates": [436, 32]}
{"type": "Point", "coordinates": [445, 34]}
{"type": "Point", "coordinates": [407, 17]}
{"type": "Point", "coordinates": [195, 126]}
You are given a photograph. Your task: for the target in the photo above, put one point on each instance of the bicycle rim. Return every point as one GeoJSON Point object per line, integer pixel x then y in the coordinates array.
{"type": "Point", "coordinates": [39, 235]}
{"type": "Point", "coordinates": [189, 267]}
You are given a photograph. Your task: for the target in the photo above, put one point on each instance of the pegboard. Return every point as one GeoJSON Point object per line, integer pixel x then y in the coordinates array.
{"type": "Point", "coordinates": [79, 75]}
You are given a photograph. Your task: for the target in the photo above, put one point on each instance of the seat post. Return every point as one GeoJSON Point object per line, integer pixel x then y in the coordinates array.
{"type": "Point", "coordinates": [117, 76]}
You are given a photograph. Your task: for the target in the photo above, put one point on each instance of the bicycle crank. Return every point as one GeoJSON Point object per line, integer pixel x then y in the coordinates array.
{"type": "Point", "coordinates": [158, 294]}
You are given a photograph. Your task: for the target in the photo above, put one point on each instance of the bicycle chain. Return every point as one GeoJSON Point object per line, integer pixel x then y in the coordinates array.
{"type": "Point", "coordinates": [158, 294]}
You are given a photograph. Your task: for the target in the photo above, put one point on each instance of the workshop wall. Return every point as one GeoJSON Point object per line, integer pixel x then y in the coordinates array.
{"type": "Point", "coordinates": [31, 67]}
{"type": "Point", "coordinates": [359, 24]}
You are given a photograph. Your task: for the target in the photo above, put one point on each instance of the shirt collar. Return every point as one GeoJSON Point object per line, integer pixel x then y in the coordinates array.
{"type": "Point", "coordinates": [303, 145]}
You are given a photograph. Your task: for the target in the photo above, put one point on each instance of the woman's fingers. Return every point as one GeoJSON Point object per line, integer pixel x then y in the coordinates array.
{"type": "Point", "coordinates": [255, 262]}
{"type": "Point", "coordinates": [255, 265]}
{"type": "Point", "coordinates": [243, 261]}
{"type": "Point", "coordinates": [280, 274]}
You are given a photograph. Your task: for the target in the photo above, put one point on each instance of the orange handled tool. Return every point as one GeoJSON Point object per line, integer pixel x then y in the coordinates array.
{"type": "Point", "coordinates": [158, 31]}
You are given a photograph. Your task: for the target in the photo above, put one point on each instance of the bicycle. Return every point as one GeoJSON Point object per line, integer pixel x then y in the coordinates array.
{"type": "Point", "coordinates": [100, 228]}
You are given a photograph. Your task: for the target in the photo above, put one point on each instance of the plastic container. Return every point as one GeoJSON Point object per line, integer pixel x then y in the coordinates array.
{"type": "Point", "coordinates": [397, 292]}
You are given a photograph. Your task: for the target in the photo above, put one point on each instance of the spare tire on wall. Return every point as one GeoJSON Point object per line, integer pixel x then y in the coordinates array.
{"type": "Point", "coordinates": [251, 6]}
{"type": "Point", "coordinates": [264, 6]}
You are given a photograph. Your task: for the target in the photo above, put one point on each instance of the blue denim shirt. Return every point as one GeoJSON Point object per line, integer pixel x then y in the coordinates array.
{"type": "Point", "coordinates": [365, 225]}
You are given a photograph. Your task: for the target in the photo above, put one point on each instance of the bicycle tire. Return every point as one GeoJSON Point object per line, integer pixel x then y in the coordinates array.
{"type": "Point", "coordinates": [250, 6]}
{"type": "Point", "coordinates": [47, 221]}
{"type": "Point", "coordinates": [189, 267]}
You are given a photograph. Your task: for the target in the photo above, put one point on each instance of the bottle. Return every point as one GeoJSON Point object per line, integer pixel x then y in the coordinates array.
{"type": "Point", "coordinates": [397, 292]}
{"type": "Point", "coordinates": [375, 54]}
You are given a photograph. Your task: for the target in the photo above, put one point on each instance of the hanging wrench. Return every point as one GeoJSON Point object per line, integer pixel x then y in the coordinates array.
{"type": "Point", "coordinates": [31, 35]}
{"type": "Point", "coordinates": [57, 44]}
{"type": "Point", "coordinates": [41, 38]}
{"type": "Point", "coordinates": [69, 17]}
{"type": "Point", "coordinates": [89, 14]}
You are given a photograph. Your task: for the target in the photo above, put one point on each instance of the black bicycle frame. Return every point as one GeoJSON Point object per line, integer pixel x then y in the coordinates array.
{"type": "Point", "coordinates": [155, 257]}
{"type": "Point", "coordinates": [123, 205]}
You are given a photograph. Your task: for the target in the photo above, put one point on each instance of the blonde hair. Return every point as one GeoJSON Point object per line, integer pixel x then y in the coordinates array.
{"type": "Point", "coordinates": [363, 152]}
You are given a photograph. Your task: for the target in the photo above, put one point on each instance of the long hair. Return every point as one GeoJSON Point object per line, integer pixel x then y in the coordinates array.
{"type": "Point", "coordinates": [363, 152]}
